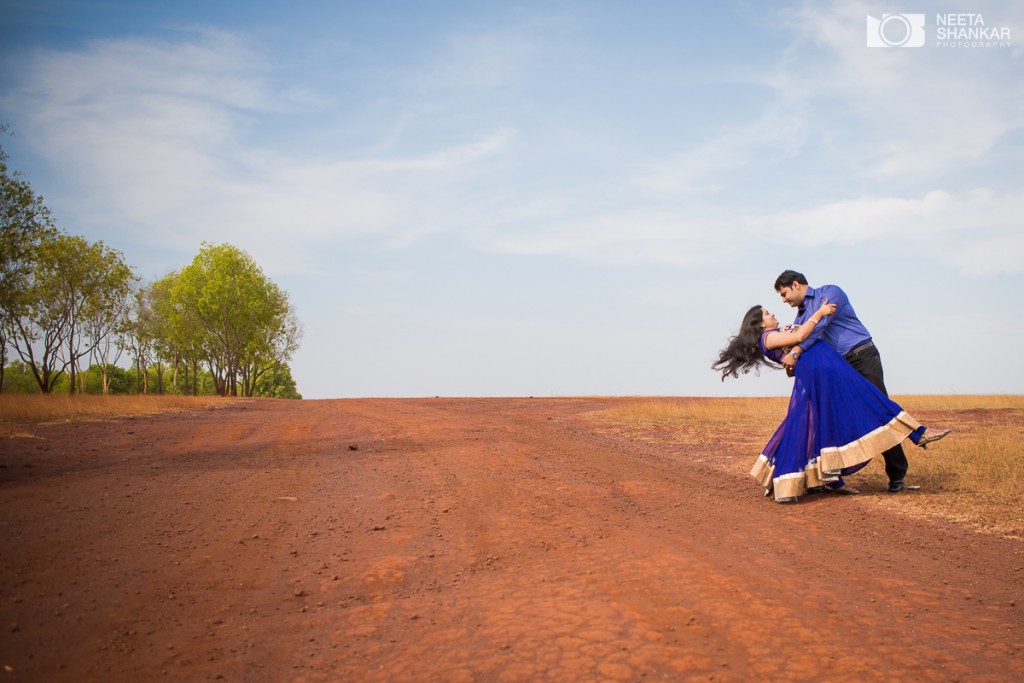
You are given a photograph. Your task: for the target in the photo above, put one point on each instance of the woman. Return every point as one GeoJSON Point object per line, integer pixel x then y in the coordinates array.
{"type": "Point", "coordinates": [837, 421]}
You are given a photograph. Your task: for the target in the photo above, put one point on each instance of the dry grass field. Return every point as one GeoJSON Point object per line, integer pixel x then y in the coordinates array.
{"type": "Point", "coordinates": [975, 476]}
{"type": "Point", "coordinates": [19, 410]}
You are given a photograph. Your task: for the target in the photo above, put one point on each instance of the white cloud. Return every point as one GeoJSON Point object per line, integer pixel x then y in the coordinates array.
{"type": "Point", "coordinates": [170, 141]}
{"type": "Point", "coordinates": [485, 59]}
{"type": "Point", "coordinates": [906, 110]}
{"type": "Point", "coordinates": [161, 140]}
{"type": "Point", "coordinates": [499, 53]}
{"type": "Point", "coordinates": [978, 233]}
{"type": "Point", "coordinates": [926, 121]}
{"type": "Point", "coordinates": [440, 160]}
{"type": "Point", "coordinates": [777, 133]}
{"type": "Point", "coordinates": [878, 113]}
{"type": "Point", "coordinates": [989, 255]}
{"type": "Point", "coordinates": [215, 67]}
{"type": "Point", "coordinates": [625, 238]}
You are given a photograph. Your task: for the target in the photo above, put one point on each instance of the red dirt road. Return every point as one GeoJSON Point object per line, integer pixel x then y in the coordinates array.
{"type": "Point", "coordinates": [467, 540]}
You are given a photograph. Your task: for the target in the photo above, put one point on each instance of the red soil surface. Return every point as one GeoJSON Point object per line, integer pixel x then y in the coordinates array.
{"type": "Point", "coordinates": [467, 540]}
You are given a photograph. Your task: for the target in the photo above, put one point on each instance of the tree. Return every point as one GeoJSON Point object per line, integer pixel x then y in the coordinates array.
{"type": "Point", "coordinates": [25, 224]}
{"type": "Point", "coordinates": [107, 292]}
{"type": "Point", "coordinates": [277, 383]}
{"type": "Point", "coordinates": [225, 309]}
{"type": "Point", "coordinates": [39, 325]}
{"type": "Point", "coordinates": [19, 379]}
{"type": "Point", "coordinates": [177, 334]}
{"type": "Point", "coordinates": [98, 379]}
{"type": "Point", "coordinates": [77, 296]}
{"type": "Point", "coordinates": [261, 358]}
{"type": "Point", "coordinates": [140, 334]}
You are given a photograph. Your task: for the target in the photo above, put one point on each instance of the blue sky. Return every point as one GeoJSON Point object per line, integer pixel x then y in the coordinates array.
{"type": "Point", "coordinates": [544, 198]}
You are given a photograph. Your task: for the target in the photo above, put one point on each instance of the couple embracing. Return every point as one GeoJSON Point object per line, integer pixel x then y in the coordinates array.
{"type": "Point", "coordinates": [840, 416]}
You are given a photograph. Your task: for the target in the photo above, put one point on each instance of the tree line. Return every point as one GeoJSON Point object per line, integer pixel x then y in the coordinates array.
{"type": "Point", "coordinates": [71, 311]}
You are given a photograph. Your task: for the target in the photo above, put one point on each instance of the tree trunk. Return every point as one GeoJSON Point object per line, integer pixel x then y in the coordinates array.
{"type": "Point", "coordinates": [3, 359]}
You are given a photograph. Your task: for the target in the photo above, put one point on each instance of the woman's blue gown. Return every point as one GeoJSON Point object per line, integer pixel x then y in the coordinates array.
{"type": "Point", "coordinates": [836, 423]}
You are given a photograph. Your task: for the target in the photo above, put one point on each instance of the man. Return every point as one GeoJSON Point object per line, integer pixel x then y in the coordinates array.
{"type": "Point", "coordinates": [844, 332]}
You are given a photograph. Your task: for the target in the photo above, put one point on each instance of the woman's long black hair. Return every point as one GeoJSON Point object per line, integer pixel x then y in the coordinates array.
{"type": "Point", "coordinates": [743, 353]}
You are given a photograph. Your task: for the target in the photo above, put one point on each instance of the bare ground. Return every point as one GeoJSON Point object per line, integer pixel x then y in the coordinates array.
{"type": "Point", "coordinates": [468, 540]}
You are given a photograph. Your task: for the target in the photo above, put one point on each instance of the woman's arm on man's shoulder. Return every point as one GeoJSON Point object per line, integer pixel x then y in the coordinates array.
{"type": "Point", "coordinates": [777, 339]}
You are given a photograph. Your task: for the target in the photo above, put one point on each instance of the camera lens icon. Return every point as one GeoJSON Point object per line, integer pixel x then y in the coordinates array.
{"type": "Point", "coordinates": [896, 30]}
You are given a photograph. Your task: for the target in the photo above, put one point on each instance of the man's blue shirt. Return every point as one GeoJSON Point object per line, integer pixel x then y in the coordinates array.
{"type": "Point", "coordinates": [842, 330]}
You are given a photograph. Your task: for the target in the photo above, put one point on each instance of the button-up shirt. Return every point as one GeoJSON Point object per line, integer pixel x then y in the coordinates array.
{"type": "Point", "coordinates": [842, 330]}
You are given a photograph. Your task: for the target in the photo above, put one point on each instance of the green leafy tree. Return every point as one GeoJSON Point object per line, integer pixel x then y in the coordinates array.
{"type": "Point", "coordinates": [153, 339]}
{"type": "Point", "coordinates": [77, 295]}
{"type": "Point", "coordinates": [277, 383]}
{"type": "Point", "coordinates": [25, 224]}
{"type": "Point", "coordinates": [61, 297]}
{"type": "Point", "coordinates": [19, 379]}
{"type": "Point", "coordinates": [40, 326]}
{"type": "Point", "coordinates": [261, 358]}
{"type": "Point", "coordinates": [178, 335]}
{"type": "Point", "coordinates": [225, 309]}
{"type": "Point", "coordinates": [140, 335]}
{"type": "Point", "coordinates": [108, 290]}
{"type": "Point", "coordinates": [100, 379]}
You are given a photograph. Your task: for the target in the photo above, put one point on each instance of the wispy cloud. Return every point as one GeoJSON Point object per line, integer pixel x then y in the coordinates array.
{"type": "Point", "coordinates": [486, 58]}
{"type": "Point", "coordinates": [904, 111]}
{"type": "Point", "coordinates": [439, 160]}
{"type": "Point", "coordinates": [777, 133]}
{"type": "Point", "coordinates": [174, 141]}
{"type": "Point", "coordinates": [164, 139]}
{"type": "Point", "coordinates": [881, 113]}
{"type": "Point", "coordinates": [636, 237]}
{"type": "Point", "coordinates": [894, 123]}
{"type": "Point", "coordinates": [424, 182]}
{"type": "Point", "coordinates": [977, 233]}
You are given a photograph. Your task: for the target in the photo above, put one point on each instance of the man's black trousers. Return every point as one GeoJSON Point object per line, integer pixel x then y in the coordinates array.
{"type": "Point", "coordinates": [868, 363]}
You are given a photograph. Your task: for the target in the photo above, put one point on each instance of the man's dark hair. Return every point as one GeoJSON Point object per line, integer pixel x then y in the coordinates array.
{"type": "Point", "coordinates": [787, 278]}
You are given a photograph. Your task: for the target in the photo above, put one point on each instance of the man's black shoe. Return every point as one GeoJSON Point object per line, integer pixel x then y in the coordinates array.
{"type": "Point", "coordinates": [896, 486]}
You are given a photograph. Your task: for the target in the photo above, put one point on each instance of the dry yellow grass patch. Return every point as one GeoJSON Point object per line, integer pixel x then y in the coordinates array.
{"type": "Point", "coordinates": [20, 410]}
{"type": "Point", "coordinates": [697, 420]}
{"type": "Point", "coordinates": [975, 475]}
